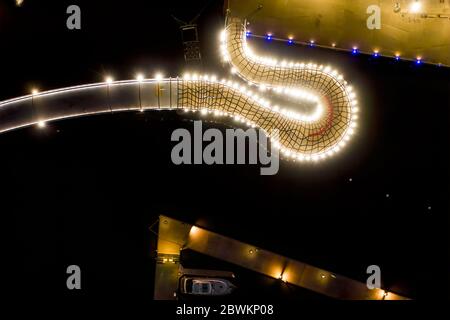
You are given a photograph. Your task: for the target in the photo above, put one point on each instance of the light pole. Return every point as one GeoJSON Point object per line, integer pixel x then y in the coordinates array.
{"type": "Point", "coordinates": [140, 78]}
{"type": "Point", "coordinates": [108, 80]}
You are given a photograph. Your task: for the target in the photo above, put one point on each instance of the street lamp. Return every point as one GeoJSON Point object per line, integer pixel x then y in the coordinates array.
{"type": "Point", "coordinates": [108, 81]}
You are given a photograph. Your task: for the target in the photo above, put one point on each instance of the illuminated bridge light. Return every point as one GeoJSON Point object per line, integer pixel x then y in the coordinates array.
{"type": "Point", "coordinates": [418, 60]}
{"type": "Point", "coordinates": [355, 50]}
{"type": "Point", "coordinates": [109, 80]}
{"type": "Point", "coordinates": [269, 37]}
{"type": "Point", "coordinates": [321, 132]}
{"type": "Point", "coordinates": [194, 231]}
{"type": "Point", "coordinates": [250, 67]}
{"type": "Point", "coordinates": [140, 77]}
{"type": "Point", "coordinates": [415, 7]}
{"type": "Point", "coordinates": [290, 40]}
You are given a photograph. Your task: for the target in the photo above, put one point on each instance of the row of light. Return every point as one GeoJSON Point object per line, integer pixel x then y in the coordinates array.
{"type": "Point", "coordinates": [249, 55]}
{"type": "Point", "coordinates": [272, 62]}
{"type": "Point", "coordinates": [284, 274]}
{"type": "Point", "coordinates": [376, 54]}
{"type": "Point", "coordinates": [283, 277]}
{"type": "Point", "coordinates": [263, 102]}
{"type": "Point", "coordinates": [268, 61]}
{"type": "Point", "coordinates": [354, 49]}
{"type": "Point", "coordinates": [256, 98]}
{"type": "Point", "coordinates": [166, 260]}
{"type": "Point", "coordinates": [287, 113]}
{"type": "Point", "coordinates": [204, 111]}
{"type": "Point", "coordinates": [275, 63]}
{"type": "Point", "coordinates": [266, 104]}
{"type": "Point", "coordinates": [139, 77]}
{"type": "Point", "coordinates": [109, 80]}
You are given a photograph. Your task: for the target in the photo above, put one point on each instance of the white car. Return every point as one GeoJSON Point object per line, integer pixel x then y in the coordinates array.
{"type": "Point", "coordinates": [205, 286]}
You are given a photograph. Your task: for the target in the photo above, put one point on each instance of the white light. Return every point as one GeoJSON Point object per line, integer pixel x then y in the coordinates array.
{"type": "Point", "coordinates": [140, 77]}
{"type": "Point", "coordinates": [415, 7]}
{"type": "Point", "coordinates": [158, 76]}
{"type": "Point", "coordinates": [41, 124]}
{"type": "Point", "coordinates": [223, 35]}
{"type": "Point", "coordinates": [109, 80]}
{"type": "Point", "coordinates": [279, 86]}
{"type": "Point", "coordinates": [34, 91]}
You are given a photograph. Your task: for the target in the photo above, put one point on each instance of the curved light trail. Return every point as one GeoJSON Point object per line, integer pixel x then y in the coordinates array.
{"type": "Point", "coordinates": [322, 126]}
{"type": "Point", "coordinates": [303, 135]}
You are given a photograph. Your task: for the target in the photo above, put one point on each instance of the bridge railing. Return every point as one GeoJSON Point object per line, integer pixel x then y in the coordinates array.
{"type": "Point", "coordinates": [88, 99]}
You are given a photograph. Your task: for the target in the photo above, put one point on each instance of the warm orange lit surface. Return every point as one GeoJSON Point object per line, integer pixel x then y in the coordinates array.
{"type": "Point", "coordinates": [425, 33]}
{"type": "Point", "coordinates": [172, 235]}
{"type": "Point", "coordinates": [270, 264]}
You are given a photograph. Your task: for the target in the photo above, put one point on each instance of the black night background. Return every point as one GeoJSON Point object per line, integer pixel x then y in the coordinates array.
{"type": "Point", "coordinates": [86, 190]}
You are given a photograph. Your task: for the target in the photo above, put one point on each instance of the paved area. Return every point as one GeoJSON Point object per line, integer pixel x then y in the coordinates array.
{"type": "Point", "coordinates": [425, 33]}
{"type": "Point", "coordinates": [172, 237]}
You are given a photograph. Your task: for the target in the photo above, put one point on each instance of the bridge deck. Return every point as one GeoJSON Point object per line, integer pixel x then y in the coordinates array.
{"type": "Point", "coordinates": [175, 235]}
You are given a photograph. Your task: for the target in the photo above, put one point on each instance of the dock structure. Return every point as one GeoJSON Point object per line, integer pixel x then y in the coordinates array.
{"type": "Point", "coordinates": [175, 236]}
{"type": "Point", "coordinates": [172, 237]}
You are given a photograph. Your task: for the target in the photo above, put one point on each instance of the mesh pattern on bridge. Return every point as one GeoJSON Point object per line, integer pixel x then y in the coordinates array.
{"type": "Point", "coordinates": [304, 137]}
{"type": "Point", "coordinates": [201, 94]}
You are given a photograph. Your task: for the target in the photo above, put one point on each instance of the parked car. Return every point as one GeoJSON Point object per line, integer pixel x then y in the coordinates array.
{"type": "Point", "coordinates": [205, 286]}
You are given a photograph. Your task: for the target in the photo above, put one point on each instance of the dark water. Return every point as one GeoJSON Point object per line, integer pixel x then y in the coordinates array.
{"type": "Point", "coordinates": [84, 191]}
